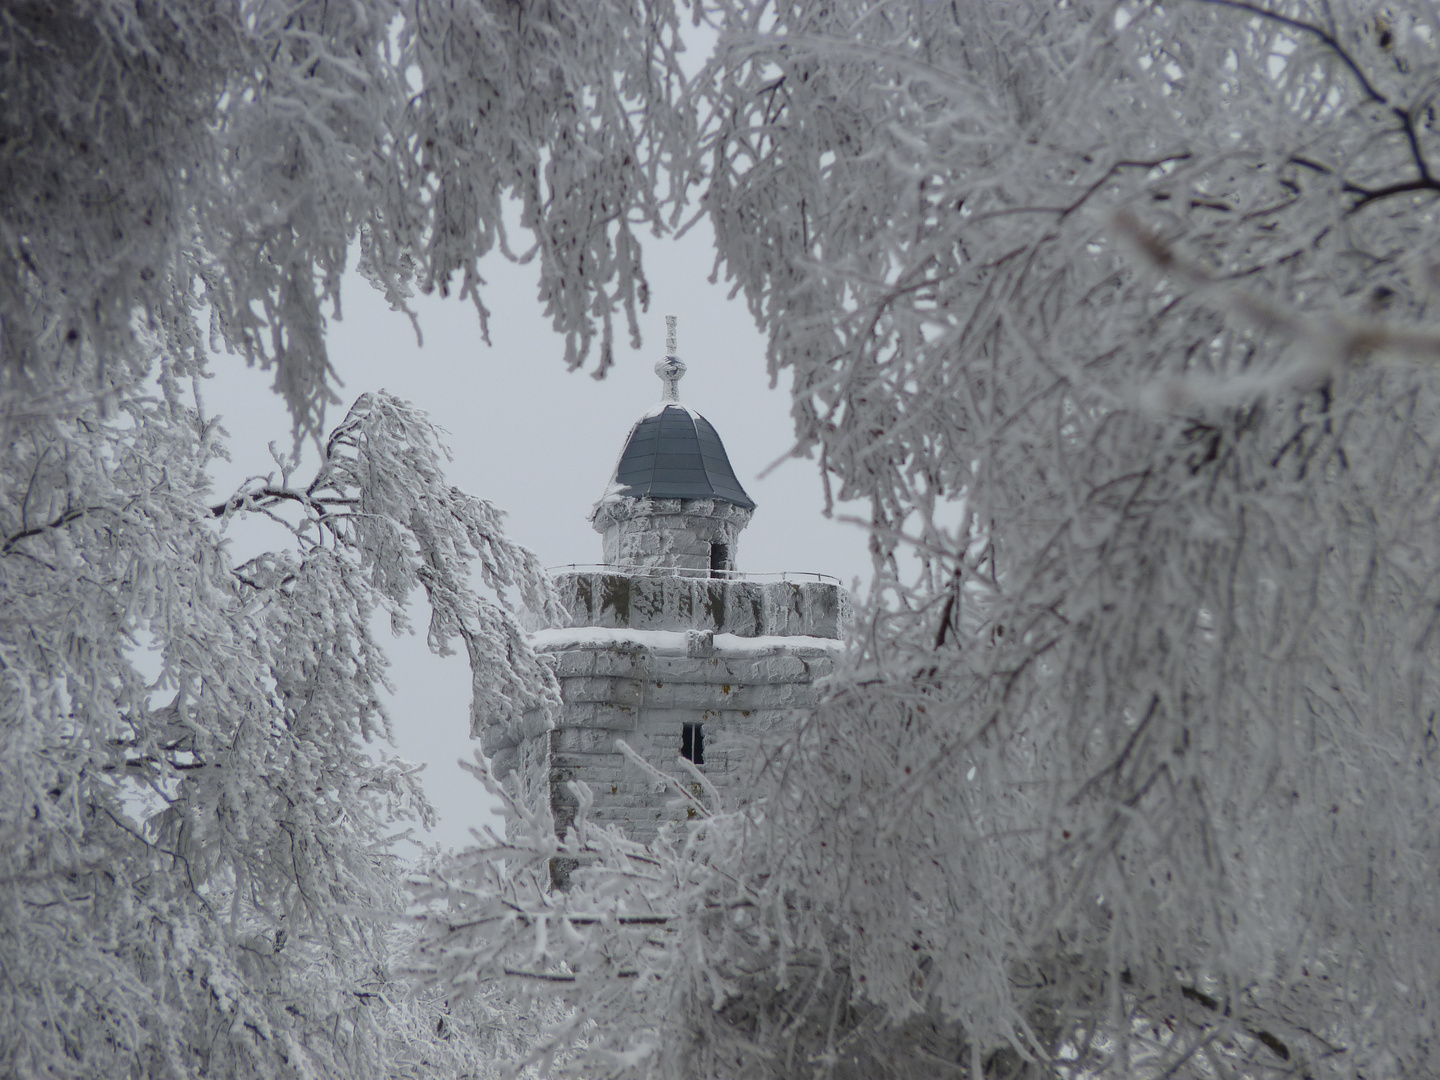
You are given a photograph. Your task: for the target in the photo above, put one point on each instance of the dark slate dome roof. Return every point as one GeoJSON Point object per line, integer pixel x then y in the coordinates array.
{"type": "Point", "coordinates": [675, 454]}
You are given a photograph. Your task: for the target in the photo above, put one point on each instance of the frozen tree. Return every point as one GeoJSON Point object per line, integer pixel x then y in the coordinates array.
{"type": "Point", "coordinates": [207, 167]}
{"type": "Point", "coordinates": [197, 876]}
{"type": "Point", "coordinates": [197, 869]}
{"type": "Point", "coordinates": [1117, 315]}
{"type": "Point", "coordinates": [1114, 312]}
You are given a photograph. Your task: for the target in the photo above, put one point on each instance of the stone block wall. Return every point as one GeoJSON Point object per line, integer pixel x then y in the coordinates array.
{"type": "Point", "coordinates": [675, 534]}
{"type": "Point", "coordinates": [641, 655]}
{"type": "Point", "coordinates": [643, 689]}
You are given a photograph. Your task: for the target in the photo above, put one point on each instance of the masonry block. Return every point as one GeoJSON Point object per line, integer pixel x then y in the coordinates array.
{"type": "Point", "coordinates": [573, 662]}
{"type": "Point", "coordinates": [586, 740]}
{"type": "Point", "coordinates": [611, 689]}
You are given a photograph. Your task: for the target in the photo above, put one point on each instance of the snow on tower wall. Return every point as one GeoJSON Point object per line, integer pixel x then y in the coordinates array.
{"type": "Point", "coordinates": [643, 655]}
{"type": "Point", "coordinates": [645, 686]}
{"type": "Point", "coordinates": [673, 533]}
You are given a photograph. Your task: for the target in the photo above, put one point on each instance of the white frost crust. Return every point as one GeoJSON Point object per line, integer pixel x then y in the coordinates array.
{"type": "Point", "coordinates": [615, 490]}
{"type": "Point", "coordinates": [660, 406]}
{"type": "Point", "coordinates": [673, 641]}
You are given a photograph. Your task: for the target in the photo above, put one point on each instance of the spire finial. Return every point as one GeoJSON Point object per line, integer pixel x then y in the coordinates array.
{"type": "Point", "coordinates": [670, 369]}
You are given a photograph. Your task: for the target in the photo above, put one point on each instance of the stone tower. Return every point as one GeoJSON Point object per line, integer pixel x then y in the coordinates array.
{"type": "Point", "coordinates": [667, 646]}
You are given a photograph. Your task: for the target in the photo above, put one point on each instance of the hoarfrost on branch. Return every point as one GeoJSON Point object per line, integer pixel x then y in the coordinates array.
{"type": "Point", "coordinates": [1117, 314]}
{"type": "Point", "coordinates": [1118, 317]}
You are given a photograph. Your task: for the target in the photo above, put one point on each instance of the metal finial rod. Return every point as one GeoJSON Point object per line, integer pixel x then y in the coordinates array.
{"type": "Point", "coordinates": [670, 369]}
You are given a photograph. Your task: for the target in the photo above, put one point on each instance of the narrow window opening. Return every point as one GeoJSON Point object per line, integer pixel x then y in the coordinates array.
{"type": "Point", "coordinates": [719, 560]}
{"type": "Point", "coordinates": [692, 743]}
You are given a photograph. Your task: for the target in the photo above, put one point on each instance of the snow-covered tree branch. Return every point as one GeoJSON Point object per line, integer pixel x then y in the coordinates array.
{"type": "Point", "coordinates": [205, 169]}
{"type": "Point", "coordinates": [1119, 316]}
{"type": "Point", "coordinates": [197, 876]}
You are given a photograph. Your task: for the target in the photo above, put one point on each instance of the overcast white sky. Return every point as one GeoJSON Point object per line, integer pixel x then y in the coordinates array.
{"type": "Point", "coordinates": [541, 443]}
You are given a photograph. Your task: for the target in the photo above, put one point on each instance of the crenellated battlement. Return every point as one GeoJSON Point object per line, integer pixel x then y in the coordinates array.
{"type": "Point", "coordinates": [644, 600]}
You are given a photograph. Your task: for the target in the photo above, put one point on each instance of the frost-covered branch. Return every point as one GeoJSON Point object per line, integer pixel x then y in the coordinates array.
{"type": "Point", "coordinates": [1404, 116]}
{"type": "Point", "coordinates": [208, 846]}
{"type": "Point", "coordinates": [1184, 752]}
{"type": "Point", "coordinates": [207, 171]}
{"type": "Point", "coordinates": [60, 521]}
{"type": "Point", "coordinates": [606, 944]}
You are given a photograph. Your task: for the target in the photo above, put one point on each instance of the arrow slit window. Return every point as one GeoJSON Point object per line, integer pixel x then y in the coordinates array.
{"type": "Point", "coordinates": [692, 743]}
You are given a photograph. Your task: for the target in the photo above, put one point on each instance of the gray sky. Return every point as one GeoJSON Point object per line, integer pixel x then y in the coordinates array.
{"type": "Point", "coordinates": [541, 443]}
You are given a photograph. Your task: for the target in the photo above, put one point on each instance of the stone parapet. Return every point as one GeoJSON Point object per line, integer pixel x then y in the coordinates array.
{"type": "Point", "coordinates": [640, 601]}
{"type": "Point", "coordinates": [677, 534]}
{"type": "Point", "coordinates": [644, 687]}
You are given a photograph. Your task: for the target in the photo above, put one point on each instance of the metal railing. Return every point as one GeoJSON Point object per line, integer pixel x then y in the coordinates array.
{"type": "Point", "coordinates": [639, 570]}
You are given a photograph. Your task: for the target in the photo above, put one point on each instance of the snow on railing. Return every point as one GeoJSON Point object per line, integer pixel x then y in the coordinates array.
{"type": "Point", "coordinates": [639, 570]}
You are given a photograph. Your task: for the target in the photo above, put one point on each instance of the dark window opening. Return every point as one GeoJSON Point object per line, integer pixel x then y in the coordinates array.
{"type": "Point", "coordinates": [692, 743]}
{"type": "Point", "coordinates": [719, 560]}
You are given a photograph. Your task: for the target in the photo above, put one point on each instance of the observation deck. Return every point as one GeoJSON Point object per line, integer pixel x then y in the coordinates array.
{"type": "Point", "coordinates": [644, 597]}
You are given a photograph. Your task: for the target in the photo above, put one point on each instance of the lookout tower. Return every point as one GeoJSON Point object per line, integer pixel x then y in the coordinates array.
{"type": "Point", "coordinates": [667, 646]}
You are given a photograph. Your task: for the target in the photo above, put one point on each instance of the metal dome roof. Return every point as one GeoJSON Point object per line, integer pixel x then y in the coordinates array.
{"type": "Point", "coordinates": [674, 453]}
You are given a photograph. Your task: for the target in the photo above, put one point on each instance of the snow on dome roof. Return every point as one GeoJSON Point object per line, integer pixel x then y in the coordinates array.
{"type": "Point", "coordinates": [674, 452]}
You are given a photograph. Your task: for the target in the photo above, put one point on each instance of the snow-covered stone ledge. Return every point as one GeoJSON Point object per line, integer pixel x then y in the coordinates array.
{"type": "Point", "coordinates": [726, 607]}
